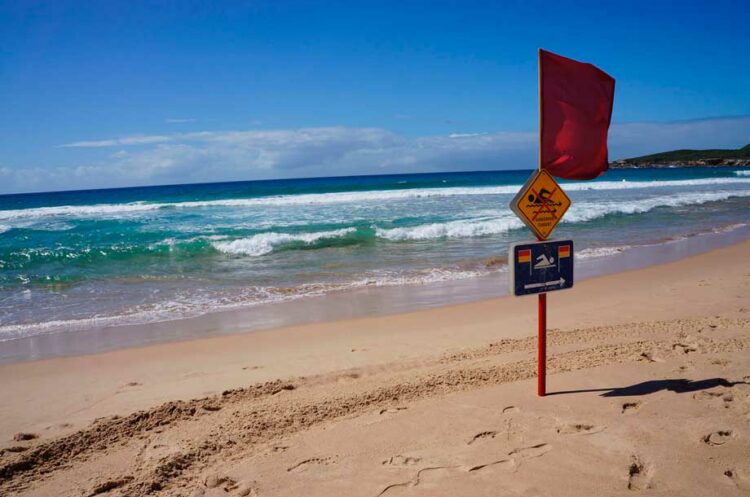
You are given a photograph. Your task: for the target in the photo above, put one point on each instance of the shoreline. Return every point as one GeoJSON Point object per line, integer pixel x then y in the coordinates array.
{"type": "Point", "coordinates": [189, 368]}
{"type": "Point", "coordinates": [359, 303]}
{"type": "Point", "coordinates": [644, 363]}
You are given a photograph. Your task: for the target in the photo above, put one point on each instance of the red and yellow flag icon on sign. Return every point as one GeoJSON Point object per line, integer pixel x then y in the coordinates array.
{"type": "Point", "coordinates": [563, 251]}
{"type": "Point", "coordinates": [524, 255]}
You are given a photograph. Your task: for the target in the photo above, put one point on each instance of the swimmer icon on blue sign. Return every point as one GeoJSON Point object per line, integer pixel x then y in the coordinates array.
{"type": "Point", "coordinates": [539, 267]}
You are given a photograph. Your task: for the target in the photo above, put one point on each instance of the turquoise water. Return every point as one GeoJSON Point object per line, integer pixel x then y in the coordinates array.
{"type": "Point", "coordinates": [99, 258]}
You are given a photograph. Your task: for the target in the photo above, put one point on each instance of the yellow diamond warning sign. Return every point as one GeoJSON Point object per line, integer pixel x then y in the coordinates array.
{"type": "Point", "coordinates": [540, 204]}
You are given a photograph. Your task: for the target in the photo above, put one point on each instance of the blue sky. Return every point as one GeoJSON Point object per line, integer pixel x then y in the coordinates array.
{"type": "Point", "coordinates": [97, 94]}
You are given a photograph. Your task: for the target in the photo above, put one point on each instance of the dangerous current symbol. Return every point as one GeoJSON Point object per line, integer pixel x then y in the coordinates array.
{"type": "Point", "coordinates": [541, 203]}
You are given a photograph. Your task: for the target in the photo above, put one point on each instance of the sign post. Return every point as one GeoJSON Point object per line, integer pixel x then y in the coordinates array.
{"type": "Point", "coordinates": [575, 108]}
{"type": "Point", "coordinates": [541, 374]}
{"type": "Point", "coordinates": [538, 268]}
{"type": "Point", "coordinates": [542, 266]}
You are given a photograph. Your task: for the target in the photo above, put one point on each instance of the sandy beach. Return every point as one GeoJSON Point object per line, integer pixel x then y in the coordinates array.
{"type": "Point", "coordinates": [270, 249]}
{"type": "Point", "coordinates": [649, 391]}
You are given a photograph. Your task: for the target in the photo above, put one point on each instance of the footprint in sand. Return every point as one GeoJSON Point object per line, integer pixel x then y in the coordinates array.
{"type": "Point", "coordinates": [24, 437]}
{"type": "Point", "coordinates": [537, 450]}
{"type": "Point", "coordinates": [684, 348]}
{"type": "Point", "coordinates": [14, 449]}
{"type": "Point", "coordinates": [508, 464]}
{"type": "Point", "coordinates": [314, 461]}
{"type": "Point", "coordinates": [108, 485]}
{"type": "Point", "coordinates": [731, 474]}
{"type": "Point", "coordinates": [228, 485]}
{"type": "Point", "coordinates": [578, 428]}
{"type": "Point", "coordinates": [511, 409]}
{"type": "Point", "coordinates": [629, 407]}
{"type": "Point", "coordinates": [401, 461]}
{"type": "Point", "coordinates": [706, 395]}
{"type": "Point", "coordinates": [213, 481]}
{"type": "Point", "coordinates": [392, 410]}
{"type": "Point", "coordinates": [726, 397]}
{"type": "Point", "coordinates": [719, 437]}
{"type": "Point", "coordinates": [649, 357]}
{"type": "Point", "coordinates": [243, 489]}
{"type": "Point", "coordinates": [639, 474]}
{"type": "Point", "coordinates": [416, 480]}
{"type": "Point", "coordinates": [482, 435]}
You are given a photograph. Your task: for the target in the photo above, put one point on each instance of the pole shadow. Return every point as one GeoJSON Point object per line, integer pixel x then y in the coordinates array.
{"type": "Point", "coordinates": [676, 385]}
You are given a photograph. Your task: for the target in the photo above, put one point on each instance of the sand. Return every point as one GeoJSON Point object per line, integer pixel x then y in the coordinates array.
{"type": "Point", "coordinates": [649, 375]}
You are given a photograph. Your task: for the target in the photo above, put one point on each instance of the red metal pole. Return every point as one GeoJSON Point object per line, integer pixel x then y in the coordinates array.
{"type": "Point", "coordinates": [541, 387]}
{"type": "Point", "coordinates": [542, 346]}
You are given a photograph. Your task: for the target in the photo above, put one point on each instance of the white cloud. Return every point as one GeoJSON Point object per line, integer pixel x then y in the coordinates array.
{"type": "Point", "coordinates": [263, 154]}
{"type": "Point", "coordinates": [641, 138]}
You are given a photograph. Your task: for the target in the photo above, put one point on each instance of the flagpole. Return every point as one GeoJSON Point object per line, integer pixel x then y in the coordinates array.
{"type": "Point", "coordinates": [541, 124]}
{"type": "Point", "coordinates": [541, 389]}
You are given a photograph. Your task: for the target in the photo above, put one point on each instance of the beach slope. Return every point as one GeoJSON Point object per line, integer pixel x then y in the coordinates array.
{"type": "Point", "coordinates": [649, 391]}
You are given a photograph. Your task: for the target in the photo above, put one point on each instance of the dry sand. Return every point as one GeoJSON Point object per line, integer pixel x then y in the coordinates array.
{"type": "Point", "coordinates": [649, 375]}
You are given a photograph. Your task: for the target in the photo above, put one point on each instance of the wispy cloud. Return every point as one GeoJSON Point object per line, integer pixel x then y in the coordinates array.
{"type": "Point", "coordinates": [465, 135]}
{"type": "Point", "coordinates": [639, 138]}
{"type": "Point", "coordinates": [177, 120]}
{"type": "Point", "coordinates": [262, 154]}
{"type": "Point", "coordinates": [128, 140]}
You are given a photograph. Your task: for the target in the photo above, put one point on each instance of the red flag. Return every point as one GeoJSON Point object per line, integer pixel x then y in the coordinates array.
{"type": "Point", "coordinates": [575, 111]}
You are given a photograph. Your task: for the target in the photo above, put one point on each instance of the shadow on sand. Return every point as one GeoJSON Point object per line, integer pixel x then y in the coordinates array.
{"type": "Point", "coordinates": [679, 385]}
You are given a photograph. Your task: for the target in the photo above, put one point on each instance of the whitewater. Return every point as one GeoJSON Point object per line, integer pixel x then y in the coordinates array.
{"type": "Point", "coordinates": [102, 258]}
{"type": "Point", "coordinates": [112, 210]}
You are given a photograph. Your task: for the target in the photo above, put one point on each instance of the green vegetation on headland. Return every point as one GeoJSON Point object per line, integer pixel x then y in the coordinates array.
{"type": "Point", "coordinates": [713, 158]}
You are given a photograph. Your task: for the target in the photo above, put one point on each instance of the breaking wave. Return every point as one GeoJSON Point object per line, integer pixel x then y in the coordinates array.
{"type": "Point", "coordinates": [578, 213]}
{"type": "Point", "coordinates": [452, 229]}
{"type": "Point", "coordinates": [587, 211]}
{"type": "Point", "coordinates": [116, 210]}
{"type": "Point", "coordinates": [264, 243]}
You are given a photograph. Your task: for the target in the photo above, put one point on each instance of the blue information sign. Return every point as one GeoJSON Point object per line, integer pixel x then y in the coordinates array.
{"type": "Point", "coordinates": [539, 267]}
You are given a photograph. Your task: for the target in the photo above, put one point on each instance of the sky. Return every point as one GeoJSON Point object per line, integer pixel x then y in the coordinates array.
{"type": "Point", "coordinates": [107, 94]}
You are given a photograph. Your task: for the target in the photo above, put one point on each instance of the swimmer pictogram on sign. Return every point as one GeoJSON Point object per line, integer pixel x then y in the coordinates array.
{"type": "Point", "coordinates": [541, 204]}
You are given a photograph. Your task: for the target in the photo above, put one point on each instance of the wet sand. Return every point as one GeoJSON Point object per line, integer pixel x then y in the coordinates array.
{"type": "Point", "coordinates": [363, 302]}
{"type": "Point", "coordinates": [648, 374]}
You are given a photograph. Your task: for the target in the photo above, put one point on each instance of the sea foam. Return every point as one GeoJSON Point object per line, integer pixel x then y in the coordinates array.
{"type": "Point", "coordinates": [252, 296]}
{"type": "Point", "coordinates": [580, 212]}
{"type": "Point", "coordinates": [264, 243]}
{"type": "Point", "coordinates": [587, 211]}
{"type": "Point", "coordinates": [128, 209]}
{"type": "Point", "coordinates": [452, 229]}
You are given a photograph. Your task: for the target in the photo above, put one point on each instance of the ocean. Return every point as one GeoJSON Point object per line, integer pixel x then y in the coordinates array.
{"type": "Point", "coordinates": [103, 258]}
